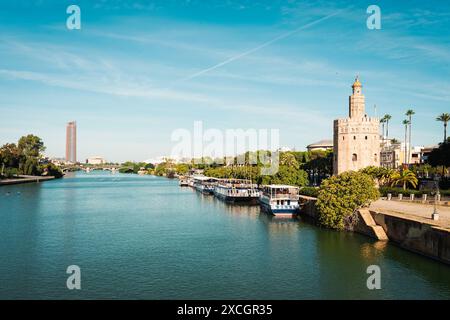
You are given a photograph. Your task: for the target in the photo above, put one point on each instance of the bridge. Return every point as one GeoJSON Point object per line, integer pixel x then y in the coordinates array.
{"type": "Point", "coordinates": [77, 167]}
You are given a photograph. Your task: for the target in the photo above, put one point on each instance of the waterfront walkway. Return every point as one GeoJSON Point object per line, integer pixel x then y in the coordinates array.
{"type": "Point", "coordinates": [414, 211]}
{"type": "Point", "coordinates": [24, 179]}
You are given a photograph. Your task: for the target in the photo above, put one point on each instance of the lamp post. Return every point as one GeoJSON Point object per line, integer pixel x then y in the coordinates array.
{"type": "Point", "coordinates": [435, 192]}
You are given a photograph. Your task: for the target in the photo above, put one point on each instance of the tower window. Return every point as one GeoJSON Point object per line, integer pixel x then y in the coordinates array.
{"type": "Point", "coordinates": [354, 137]}
{"type": "Point", "coordinates": [354, 157]}
{"type": "Point", "coordinates": [343, 138]}
{"type": "Point", "coordinates": [366, 137]}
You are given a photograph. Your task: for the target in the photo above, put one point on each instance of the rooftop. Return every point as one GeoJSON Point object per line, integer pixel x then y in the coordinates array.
{"type": "Point", "coordinates": [321, 143]}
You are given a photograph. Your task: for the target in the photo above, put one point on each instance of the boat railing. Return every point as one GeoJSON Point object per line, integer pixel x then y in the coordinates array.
{"type": "Point", "coordinates": [285, 206]}
{"type": "Point", "coordinates": [283, 196]}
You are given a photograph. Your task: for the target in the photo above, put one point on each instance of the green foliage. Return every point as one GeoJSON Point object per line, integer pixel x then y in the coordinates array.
{"type": "Point", "coordinates": [132, 167]}
{"type": "Point", "coordinates": [395, 191]}
{"type": "Point", "coordinates": [340, 196]}
{"type": "Point", "coordinates": [52, 170]}
{"type": "Point", "coordinates": [182, 169]}
{"type": "Point", "coordinates": [22, 158]}
{"type": "Point", "coordinates": [309, 191]}
{"type": "Point", "coordinates": [285, 175]}
{"type": "Point", "coordinates": [166, 169]}
{"type": "Point", "coordinates": [441, 155]}
{"type": "Point", "coordinates": [31, 146]}
{"type": "Point", "coordinates": [405, 178]}
{"type": "Point", "coordinates": [31, 167]}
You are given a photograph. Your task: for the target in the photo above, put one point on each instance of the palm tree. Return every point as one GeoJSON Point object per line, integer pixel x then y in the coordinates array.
{"type": "Point", "coordinates": [406, 124]}
{"type": "Point", "coordinates": [404, 177]}
{"type": "Point", "coordinates": [386, 118]}
{"type": "Point", "coordinates": [445, 118]}
{"type": "Point", "coordinates": [409, 113]}
{"type": "Point", "coordinates": [383, 121]}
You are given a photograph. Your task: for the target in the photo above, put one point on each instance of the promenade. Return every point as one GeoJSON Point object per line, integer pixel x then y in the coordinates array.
{"type": "Point", "coordinates": [414, 211]}
{"type": "Point", "coordinates": [24, 179]}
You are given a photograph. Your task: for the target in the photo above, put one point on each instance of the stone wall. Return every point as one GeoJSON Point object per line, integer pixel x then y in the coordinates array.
{"type": "Point", "coordinates": [416, 236]}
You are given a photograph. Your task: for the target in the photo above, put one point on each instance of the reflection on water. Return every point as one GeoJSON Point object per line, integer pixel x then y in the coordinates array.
{"type": "Point", "coordinates": [145, 237]}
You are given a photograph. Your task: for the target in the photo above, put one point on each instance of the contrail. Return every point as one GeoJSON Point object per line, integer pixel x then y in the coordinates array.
{"type": "Point", "coordinates": [261, 46]}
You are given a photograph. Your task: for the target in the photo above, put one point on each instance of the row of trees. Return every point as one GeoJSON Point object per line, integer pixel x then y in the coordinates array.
{"type": "Point", "coordinates": [444, 118]}
{"type": "Point", "coordinates": [25, 158]}
{"type": "Point", "coordinates": [295, 168]}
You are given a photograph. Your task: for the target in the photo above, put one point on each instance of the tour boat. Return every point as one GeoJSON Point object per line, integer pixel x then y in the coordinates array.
{"type": "Point", "coordinates": [280, 200]}
{"type": "Point", "coordinates": [205, 184]}
{"type": "Point", "coordinates": [183, 181]}
{"type": "Point", "coordinates": [236, 190]}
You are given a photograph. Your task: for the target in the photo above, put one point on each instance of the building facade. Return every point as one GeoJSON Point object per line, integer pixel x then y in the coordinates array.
{"type": "Point", "coordinates": [356, 139]}
{"type": "Point", "coordinates": [71, 142]}
{"type": "Point", "coordinates": [95, 160]}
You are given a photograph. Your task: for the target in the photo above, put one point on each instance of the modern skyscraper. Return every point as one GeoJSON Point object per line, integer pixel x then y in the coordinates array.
{"type": "Point", "coordinates": [71, 142]}
{"type": "Point", "coordinates": [356, 138]}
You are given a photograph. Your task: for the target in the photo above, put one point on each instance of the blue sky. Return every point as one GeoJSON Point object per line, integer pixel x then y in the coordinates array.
{"type": "Point", "coordinates": [137, 70]}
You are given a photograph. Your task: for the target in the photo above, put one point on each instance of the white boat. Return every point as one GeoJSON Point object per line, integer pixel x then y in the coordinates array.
{"type": "Point", "coordinates": [236, 190]}
{"type": "Point", "coordinates": [205, 184]}
{"type": "Point", "coordinates": [183, 181]}
{"type": "Point", "coordinates": [280, 200]}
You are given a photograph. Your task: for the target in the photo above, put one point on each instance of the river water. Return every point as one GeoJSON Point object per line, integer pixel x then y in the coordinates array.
{"type": "Point", "coordinates": [144, 237]}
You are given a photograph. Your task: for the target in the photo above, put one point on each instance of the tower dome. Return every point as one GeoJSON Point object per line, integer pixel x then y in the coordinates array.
{"type": "Point", "coordinates": [357, 83]}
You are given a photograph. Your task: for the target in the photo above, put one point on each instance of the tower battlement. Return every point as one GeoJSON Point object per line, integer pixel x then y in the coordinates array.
{"type": "Point", "coordinates": [359, 120]}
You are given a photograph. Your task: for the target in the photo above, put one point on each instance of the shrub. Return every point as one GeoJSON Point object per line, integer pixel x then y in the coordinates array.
{"type": "Point", "coordinates": [52, 170]}
{"type": "Point", "coordinates": [341, 196]}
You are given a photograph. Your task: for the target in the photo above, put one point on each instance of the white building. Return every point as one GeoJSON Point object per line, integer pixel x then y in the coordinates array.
{"type": "Point", "coordinates": [96, 160]}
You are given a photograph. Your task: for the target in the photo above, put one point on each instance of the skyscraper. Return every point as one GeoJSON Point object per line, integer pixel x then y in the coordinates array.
{"type": "Point", "coordinates": [71, 142]}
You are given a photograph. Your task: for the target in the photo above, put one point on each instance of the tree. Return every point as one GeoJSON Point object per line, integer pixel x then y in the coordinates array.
{"type": "Point", "coordinates": [341, 196]}
{"type": "Point", "coordinates": [387, 118]}
{"type": "Point", "coordinates": [31, 146]}
{"type": "Point", "coordinates": [441, 156]}
{"type": "Point", "coordinates": [383, 122]}
{"type": "Point", "coordinates": [404, 177]}
{"type": "Point", "coordinates": [288, 176]}
{"type": "Point", "coordinates": [409, 113]}
{"type": "Point", "coordinates": [406, 124]}
{"type": "Point", "coordinates": [445, 118]}
{"type": "Point", "coordinates": [9, 157]}
{"type": "Point", "coordinates": [288, 159]}
{"type": "Point", "coordinates": [52, 170]}
{"type": "Point", "coordinates": [182, 168]}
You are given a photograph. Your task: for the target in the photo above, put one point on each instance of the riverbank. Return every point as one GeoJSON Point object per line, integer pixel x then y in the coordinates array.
{"type": "Point", "coordinates": [24, 179]}
{"type": "Point", "coordinates": [409, 226]}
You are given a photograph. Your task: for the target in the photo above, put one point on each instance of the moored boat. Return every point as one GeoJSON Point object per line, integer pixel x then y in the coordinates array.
{"type": "Point", "coordinates": [183, 181]}
{"type": "Point", "coordinates": [280, 200]}
{"type": "Point", "coordinates": [236, 190]}
{"type": "Point", "coordinates": [205, 184]}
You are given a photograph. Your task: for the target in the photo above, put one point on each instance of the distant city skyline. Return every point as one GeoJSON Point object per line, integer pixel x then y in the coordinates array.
{"type": "Point", "coordinates": [138, 70]}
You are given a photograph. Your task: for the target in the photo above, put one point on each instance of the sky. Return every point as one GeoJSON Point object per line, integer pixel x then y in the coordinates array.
{"type": "Point", "coordinates": [138, 70]}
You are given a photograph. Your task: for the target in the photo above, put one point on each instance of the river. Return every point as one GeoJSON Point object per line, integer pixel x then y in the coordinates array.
{"type": "Point", "coordinates": [144, 237]}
